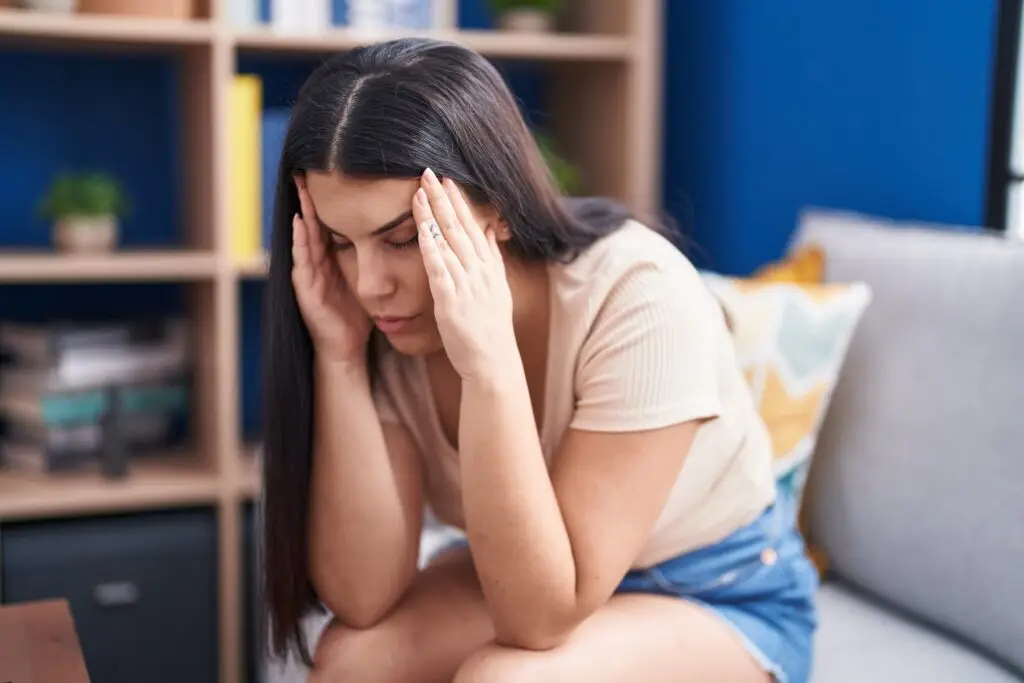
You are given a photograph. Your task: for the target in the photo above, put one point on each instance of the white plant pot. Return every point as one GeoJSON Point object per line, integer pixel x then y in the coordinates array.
{"type": "Point", "coordinates": [527, 21]}
{"type": "Point", "coordinates": [55, 6]}
{"type": "Point", "coordinates": [89, 234]}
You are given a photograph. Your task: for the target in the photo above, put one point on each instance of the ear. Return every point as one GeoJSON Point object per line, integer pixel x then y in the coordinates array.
{"type": "Point", "coordinates": [501, 230]}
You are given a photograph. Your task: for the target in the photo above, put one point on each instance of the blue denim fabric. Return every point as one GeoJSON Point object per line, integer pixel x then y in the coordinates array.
{"type": "Point", "coordinates": [759, 580]}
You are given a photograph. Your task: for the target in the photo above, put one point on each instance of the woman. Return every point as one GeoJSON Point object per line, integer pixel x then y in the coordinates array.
{"type": "Point", "coordinates": [445, 330]}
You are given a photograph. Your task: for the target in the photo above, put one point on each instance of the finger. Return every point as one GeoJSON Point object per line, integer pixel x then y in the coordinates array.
{"type": "Point", "coordinates": [423, 213]}
{"type": "Point", "coordinates": [444, 214]}
{"type": "Point", "coordinates": [466, 219]}
{"type": "Point", "coordinates": [317, 248]}
{"type": "Point", "coordinates": [301, 270]}
{"type": "Point", "coordinates": [438, 276]}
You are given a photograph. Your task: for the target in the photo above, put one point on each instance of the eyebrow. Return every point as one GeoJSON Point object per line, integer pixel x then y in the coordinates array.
{"type": "Point", "coordinates": [387, 227]}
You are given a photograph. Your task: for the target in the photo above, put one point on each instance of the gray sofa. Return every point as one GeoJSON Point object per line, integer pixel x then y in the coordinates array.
{"type": "Point", "coordinates": [916, 491]}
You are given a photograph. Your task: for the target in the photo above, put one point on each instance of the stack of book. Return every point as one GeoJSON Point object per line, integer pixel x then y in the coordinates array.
{"type": "Point", "coordinates": [296, 16]}
{"type": "Point", "coordinates": [91, 396]}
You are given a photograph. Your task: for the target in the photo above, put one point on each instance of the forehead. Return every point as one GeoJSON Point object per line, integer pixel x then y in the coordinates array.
{"type": "Point", "coordinates": [355, 207]}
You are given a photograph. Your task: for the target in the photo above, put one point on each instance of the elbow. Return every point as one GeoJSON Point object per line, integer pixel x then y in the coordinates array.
{"type": "Point", "coordinates": [536, 630]}
{"type": "Point", "coordinates": [360, 605]}
{"type": "Point", "coordinates": [359, 612]}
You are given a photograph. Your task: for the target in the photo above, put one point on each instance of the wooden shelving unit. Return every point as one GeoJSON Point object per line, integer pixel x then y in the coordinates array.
{"type": "Point", "coordinates": [605, 107]}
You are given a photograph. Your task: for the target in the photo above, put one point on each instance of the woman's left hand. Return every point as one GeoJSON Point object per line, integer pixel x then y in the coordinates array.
{"type": "Point", "coordinates": [472, 301]}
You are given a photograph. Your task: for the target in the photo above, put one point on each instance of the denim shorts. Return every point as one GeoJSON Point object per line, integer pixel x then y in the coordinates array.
{"type": "Point", "coordinates": [759, 581]}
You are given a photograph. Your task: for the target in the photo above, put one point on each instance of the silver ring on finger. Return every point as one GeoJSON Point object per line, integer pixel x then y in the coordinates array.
{"type": "Point", "coordinates": [434, 230]}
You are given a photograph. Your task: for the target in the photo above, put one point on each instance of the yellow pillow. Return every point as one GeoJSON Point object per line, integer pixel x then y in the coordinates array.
{"type": "Point", "coordinates": [792, 331]}
{"type": "Point", "coordinates": [806, 265]}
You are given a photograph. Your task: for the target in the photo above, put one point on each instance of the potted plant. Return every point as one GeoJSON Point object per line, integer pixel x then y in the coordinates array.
{"type": "Point", "coordinates": [84, 210]}
{"type": "Point", "coordinates": [527, 15]}
{"type": "Point", "coordinates": [566, 175]}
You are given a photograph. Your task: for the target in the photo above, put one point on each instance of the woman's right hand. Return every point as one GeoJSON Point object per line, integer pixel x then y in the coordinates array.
{"type": "Point", "coordinates": [338, 325]}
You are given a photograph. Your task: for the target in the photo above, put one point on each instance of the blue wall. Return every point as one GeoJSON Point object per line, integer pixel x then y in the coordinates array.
{"type": "Point", "coordinates": [878, 106]}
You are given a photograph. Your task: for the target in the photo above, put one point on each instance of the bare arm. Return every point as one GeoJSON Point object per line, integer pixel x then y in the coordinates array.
{"type": "Point", "coordinates": [551, 550]}
{"type": "Point", "coordinates": [365, 500]}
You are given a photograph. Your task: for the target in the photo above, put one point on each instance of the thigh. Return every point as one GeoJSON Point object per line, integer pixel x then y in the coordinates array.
{"type": "Point", "coordinates": [438, 624]}
{"type": "Point", "coordinates": [636, 637]}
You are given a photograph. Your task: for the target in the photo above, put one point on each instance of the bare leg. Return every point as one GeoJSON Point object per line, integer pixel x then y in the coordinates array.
{"type": "Point", "coordinates": [645, 638]}
{"type": "Point", "coordinates": [426, 639]}
{"type": "Point", "coordinates": [442, 632]}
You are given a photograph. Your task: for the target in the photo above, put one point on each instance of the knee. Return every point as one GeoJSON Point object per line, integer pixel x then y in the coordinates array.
{"type": "Point", "coordinates": [496, 664]}
{"type": "Point", "coordinates": [348, 654]}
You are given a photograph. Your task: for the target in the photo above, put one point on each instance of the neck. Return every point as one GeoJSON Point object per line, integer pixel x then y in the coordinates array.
{"type": "Point", "coordinates": [528, 283]}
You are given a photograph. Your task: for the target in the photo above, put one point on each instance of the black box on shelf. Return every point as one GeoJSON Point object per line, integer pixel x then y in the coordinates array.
{"type": "Point", "coordinates": [142, 589]}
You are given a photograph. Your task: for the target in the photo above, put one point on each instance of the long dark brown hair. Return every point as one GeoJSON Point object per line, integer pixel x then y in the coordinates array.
{"type": "Point", "coordinates": [388, 110]}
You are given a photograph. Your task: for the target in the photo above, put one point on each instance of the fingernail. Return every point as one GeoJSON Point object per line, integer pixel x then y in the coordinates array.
{"type": "Point", "coordinates": [421, 196]}
{"type": "Point", "coordinates": [429, 173]}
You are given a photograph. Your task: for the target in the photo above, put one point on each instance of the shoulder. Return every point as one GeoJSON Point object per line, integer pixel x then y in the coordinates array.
{"type": "Point", "coordinates": [647, 330]}
{"type": "Point", "coordinates": [633, 269]}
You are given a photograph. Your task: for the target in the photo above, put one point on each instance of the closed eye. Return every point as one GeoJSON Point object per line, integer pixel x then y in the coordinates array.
{"type": "Point", "coordinates": [396, 242]}
{"type": "Point", "coordinates": [402, 236]}
{"type": "Point", "coordinates": [404, 244]}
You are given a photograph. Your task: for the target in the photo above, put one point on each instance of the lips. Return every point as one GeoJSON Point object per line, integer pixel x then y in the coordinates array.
{"type": "Point", "coordinates": [390, 324]}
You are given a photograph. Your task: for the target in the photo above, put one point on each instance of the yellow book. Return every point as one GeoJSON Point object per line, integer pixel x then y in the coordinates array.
{"type": "Point", "coordinates": [244, 164]}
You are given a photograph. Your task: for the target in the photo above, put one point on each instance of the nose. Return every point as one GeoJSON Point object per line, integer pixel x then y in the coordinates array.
{"type": "Point", "coordinates": [373, 277]}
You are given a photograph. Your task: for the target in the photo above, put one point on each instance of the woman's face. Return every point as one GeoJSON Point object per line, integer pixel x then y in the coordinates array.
{"type": "Point", "coordinates": [371, 234]}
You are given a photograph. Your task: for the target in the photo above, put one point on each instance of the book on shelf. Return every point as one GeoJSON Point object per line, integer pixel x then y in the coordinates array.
{"type": "Point", "coordinates": [313, 16]}
{"type": "Point", "coordinates": [257, 138]}
{"type": "Point", "coordinates": [273, 128]}
{"type": "Point", "coordinates": [91, 396]}
{"type": "Point", "coordinates": [246, 103]}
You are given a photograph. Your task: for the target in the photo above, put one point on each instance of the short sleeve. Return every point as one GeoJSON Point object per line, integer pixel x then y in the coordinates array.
{"type": "Point", "coordinates": [651, 358]}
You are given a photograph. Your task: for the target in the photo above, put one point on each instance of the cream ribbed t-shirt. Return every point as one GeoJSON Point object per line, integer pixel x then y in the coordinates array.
{"type": "Point", "coordinates": [636, 342]}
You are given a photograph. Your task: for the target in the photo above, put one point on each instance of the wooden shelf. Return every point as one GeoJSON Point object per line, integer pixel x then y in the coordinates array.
{"type": "Point", "coordinates": [252, 269]}
{"type": "Point", "coordinates": [495, 44]}
{"type": "Point", "coordinates": [166, 481]}
{"type": "Point", "coordinates": [603, 105]}
{"type": "Point", "coordinates": [54, 30]}
{"type": "Point", "coordinates": [41, 266]}
{"type": "Point", "coordinates": [250, 473]}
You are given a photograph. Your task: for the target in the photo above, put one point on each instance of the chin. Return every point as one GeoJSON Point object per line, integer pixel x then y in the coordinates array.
{"type": "Point", "coordinates": [416, 344]}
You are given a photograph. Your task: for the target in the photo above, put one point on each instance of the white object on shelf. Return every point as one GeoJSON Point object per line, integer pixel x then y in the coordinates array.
{"type": "Point", "coordinates": [316, 14]}
{"type": "Point", "coordinates": [412, 14]}
{"type": "Point", "coordinates": [242, 13]}
{"type": "Point", "coordinates": [368, 14]}
{"type": "Point", "coordinates": [300, 16]}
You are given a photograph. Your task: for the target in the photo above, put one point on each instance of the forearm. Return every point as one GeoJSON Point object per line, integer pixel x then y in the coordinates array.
{"type": "Point", "coordinates": [521, 549]}
{"type": "Point", "coordinates": [363, 539]}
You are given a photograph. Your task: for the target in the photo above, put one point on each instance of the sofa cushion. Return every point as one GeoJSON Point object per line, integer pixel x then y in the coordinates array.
{"type": "Point", "coordinates": [791, 338]}
{"type": "Point", "coordinates": [915, 493]}
{"type": "Point", "coordinates": [859, 640]}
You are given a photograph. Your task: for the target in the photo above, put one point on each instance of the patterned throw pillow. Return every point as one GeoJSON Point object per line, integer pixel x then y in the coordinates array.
{"type": "Point", "coordinates": [792, 336]}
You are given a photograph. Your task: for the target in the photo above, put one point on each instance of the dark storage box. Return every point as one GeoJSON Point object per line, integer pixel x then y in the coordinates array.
{"type": "Point", "coordinates": [142, 589]}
